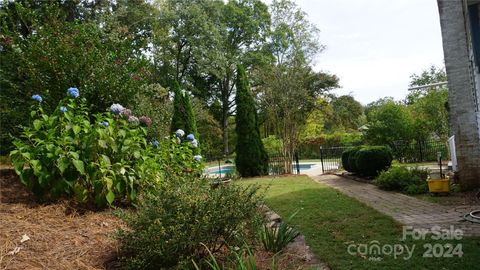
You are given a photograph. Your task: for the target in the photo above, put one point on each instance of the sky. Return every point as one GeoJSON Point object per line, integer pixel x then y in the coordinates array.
{"type": "Point", "coordinates": [374, 46]}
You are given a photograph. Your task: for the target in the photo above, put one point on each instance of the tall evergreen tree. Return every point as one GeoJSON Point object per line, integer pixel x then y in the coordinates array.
{"type": "Point", "coordinates": [183, 116]}
{"type": "Point", "coordinates": [251, 159]}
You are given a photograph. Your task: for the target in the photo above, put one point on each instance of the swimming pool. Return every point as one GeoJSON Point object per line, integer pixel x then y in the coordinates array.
{"type": "Point", "coordinates": [231, 168]}
{"type": "Point", "coordinates": [223, 170]}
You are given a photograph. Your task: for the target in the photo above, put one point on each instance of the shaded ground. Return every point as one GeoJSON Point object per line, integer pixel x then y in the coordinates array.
{"type": "Point", "coordinates": [60, 236]}
{"type": "Point", "coordinates": [453, 199]}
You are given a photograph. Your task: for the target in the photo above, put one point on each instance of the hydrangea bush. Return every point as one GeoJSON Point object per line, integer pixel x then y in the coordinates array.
{"type": "Point", "coordinates": [101, 158]}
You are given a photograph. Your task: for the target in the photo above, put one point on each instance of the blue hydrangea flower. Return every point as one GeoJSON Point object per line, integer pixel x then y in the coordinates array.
{"type": "Point", "coordinates": [194, 143]}
{"type": "Point", "coordinates": [63, 109]}
{"type": "Point", "coordinates": [104, 123]}
{"type": "Point", "coordinates": [73, 92]}
{"type": "Point", "coordinates": [180, 133]}
{"type": "Point", "coordinates": [116, 108]}
{"type": "Point", "coordinates": [155, 143]}
{"type": "Point", "coordinates": [37, 98]}
{"type": "Point", "coordinates": [190, 137]}
{"type": "Point", "coordinates": [197, 158]}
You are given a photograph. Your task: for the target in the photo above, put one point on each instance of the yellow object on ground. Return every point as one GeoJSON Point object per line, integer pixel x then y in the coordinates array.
{"type": "Point", "coordinates": [438, 185]}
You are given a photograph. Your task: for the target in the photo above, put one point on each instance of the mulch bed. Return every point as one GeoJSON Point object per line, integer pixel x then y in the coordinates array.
{"type": "Point", "coordinates": [61, 236]}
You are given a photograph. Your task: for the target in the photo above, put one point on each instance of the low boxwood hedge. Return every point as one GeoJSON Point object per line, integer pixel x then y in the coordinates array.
{"type": "Point", "coordinates": [348, 161]}
{"type": "Point", "coordinates": [371, 160]}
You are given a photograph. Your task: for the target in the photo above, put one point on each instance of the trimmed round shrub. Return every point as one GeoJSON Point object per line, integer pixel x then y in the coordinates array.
{"type": "Point", "coordinates": [371, 160]}
{"type": "Point", "coordinates": [348, 161]}
{"type": "Point", "coordinates": [352, 160]}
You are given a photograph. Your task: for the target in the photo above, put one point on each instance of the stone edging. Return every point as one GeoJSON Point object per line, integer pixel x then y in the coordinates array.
{"type": "Point", "coordinates": [298, 247]}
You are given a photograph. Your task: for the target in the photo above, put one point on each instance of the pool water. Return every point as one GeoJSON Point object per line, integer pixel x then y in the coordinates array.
{"type": "Point", "coordinates": [303, 166]}
{"type": "Point", "coordinates": [231, 169]}
{"type": "Point", "coordinates": [223, 170]}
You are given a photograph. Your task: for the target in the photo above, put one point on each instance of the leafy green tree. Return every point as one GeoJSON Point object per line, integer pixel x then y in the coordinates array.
{"type": "Point", "coordinates": [347, 113]}
{"type": "Point", "coordinates": [316, 120]}
{"type": "Point", "coordinates": [183, 116]}
{"type": "Point", "coordinates": [388, 123]}
{"type": "Point", "coordinates": [428, 76]}
{"type": "Point", "coordinates": [199, 43]}
{"type": "Point", "coordinates": [244, 25]}
{"type": "Point", "coordinates": [290, 87]}
{"type": "Point", "coordinates": [251, 158]}
{"type": "Point", "coordinates": [186, 40]}
{"type": "Point", "coordinates": [429, 105]}
{"type": "Point", "coordinates": [431, 115]}
{"type": "Point", "coordinates": [209, 129]}
{"type": "Point", "coordinates": [49, 54]}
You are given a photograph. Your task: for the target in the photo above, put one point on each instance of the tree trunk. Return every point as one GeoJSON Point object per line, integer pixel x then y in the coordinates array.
{"type": "Point", "coordinates": [225, 133]}
{"type": "Point", "coordinates": [225, 112]}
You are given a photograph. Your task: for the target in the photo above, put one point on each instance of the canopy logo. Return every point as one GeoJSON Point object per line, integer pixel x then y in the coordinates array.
{"type": "Point", "coordinates": [374, 251]}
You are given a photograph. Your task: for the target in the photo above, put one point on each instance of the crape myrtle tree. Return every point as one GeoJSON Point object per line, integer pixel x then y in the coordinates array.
{"type": "Point", "coordinates": [251, 159]}
{"type": "Point", "coordinates": [290, 87]}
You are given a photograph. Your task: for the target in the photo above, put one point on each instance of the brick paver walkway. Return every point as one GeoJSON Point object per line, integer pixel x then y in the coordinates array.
{"type": "Point", "coordinates": [405, 209]}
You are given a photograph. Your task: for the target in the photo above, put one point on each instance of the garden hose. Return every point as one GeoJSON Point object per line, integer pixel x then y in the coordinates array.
{"type": "Point", "coordinates": [473, 216]}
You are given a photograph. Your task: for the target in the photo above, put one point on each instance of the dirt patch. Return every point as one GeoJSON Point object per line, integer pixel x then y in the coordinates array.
{"type": "Point", "coordinates": [470, 198]}
{"type": "Point", "coordinates": [59, 236]}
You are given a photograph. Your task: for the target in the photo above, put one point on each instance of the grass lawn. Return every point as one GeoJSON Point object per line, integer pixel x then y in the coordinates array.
{"type": "Point", "coordinates": [331, 222]}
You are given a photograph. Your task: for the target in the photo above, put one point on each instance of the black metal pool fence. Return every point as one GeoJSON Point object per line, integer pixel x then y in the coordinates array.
{"type": "Point", "coordinates": [330, 157]}
{"type": "Point", "coordinates": [277, 164]}
{"type": "Point", "coordinates": [406, 152]}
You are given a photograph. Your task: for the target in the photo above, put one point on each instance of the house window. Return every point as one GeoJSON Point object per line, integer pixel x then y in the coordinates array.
{"type": "Point", "coordinates": [475, 31]}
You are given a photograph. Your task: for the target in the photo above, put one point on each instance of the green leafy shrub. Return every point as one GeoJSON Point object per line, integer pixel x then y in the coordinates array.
{"type": "Point", "coordinates": [346, 156]}
{"type": "Point", "coordinates": [275, 238]}
{"type": "Point", "coordinates": [107, 160]}
{"type": "Point", "coordinates": [410, 181]}
{"type": "Point", "coordinates": [371, 160]}
{"type": "Point", "coordinates": [185, 220]}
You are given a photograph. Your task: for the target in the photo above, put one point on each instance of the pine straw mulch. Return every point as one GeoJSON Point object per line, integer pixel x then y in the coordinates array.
{"type": "Point", "coordinates": [61, 236]}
